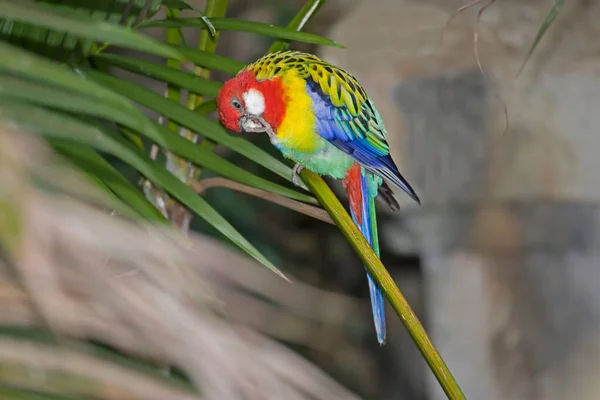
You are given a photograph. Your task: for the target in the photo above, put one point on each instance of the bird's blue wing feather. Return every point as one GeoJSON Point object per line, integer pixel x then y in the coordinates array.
{"type": "Point", "coordinates": [360, 134]}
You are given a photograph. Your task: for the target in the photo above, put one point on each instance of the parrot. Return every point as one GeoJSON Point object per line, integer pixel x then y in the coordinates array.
{"type": "Point", "coordinates": [320, 117]}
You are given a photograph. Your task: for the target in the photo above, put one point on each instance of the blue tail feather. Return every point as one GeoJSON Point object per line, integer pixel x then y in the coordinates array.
{"type": "Point", "coordinates": [378, 309]}
{"type": "Point", "coordinates": [368, 228]}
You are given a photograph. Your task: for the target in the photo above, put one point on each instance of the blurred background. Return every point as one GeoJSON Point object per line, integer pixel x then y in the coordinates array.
{"type": "Point", "coordinates": [500, 262]}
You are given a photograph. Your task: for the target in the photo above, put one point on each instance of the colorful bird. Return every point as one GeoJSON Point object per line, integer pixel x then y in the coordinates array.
{"type": "Point", "coordinates": [321, 118]}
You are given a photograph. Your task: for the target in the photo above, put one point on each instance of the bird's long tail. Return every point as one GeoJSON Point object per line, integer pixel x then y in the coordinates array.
{"type": "Point", "coordinates": [362, 187]}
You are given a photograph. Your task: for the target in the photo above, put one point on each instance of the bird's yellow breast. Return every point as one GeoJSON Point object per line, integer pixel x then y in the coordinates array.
{"type": "Point", "coordinates": [297, 132]}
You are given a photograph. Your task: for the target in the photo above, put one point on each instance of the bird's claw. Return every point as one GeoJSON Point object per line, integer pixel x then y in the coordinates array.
{"type": "Point", "coordinates": [295, 171]}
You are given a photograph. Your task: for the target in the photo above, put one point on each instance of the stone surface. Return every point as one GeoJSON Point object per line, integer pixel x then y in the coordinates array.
{"type": "Point", "coordinates": [547, 149]}
{"type": "Point", "coordinates": [509, 227]}
{"type": "Point", "coordinates": [512, 300]}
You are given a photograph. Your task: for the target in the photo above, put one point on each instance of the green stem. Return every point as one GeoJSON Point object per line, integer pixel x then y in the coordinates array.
{"type": "Point", "coordinates": [186, 171]}
{"type": "Point", "coordinates": [373, 264]}
{"type": "Point", "coordinates": [174, 37]}
{"type": "Point", "coordinates": [157, 196]}
{"type": "Point", "coordinates": [207, 42]}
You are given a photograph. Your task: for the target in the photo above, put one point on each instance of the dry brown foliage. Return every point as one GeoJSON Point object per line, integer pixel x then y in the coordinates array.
{"type": "Point", "coordinates": [73, 264]}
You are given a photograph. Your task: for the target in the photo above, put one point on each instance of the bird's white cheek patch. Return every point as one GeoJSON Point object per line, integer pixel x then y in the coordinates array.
{"type": "Point", "coordinates": [255, 102]}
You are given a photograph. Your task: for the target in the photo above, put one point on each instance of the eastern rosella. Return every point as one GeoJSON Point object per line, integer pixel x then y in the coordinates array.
{"type": "Point", "coordinates": [321, 118]}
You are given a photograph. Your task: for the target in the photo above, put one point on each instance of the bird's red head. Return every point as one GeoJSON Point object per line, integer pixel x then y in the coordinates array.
{"type": "Point", "coordinates": [243, 102]}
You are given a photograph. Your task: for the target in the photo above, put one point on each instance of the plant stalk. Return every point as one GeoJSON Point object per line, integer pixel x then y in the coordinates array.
{"type": "Point", "coordinates": [338, 213]}
{"type": "Point", "coordinates": [183, 169]}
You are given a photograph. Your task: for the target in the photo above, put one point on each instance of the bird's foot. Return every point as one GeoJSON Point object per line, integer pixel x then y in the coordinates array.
{"type": "Point", "coordinates": [295, 171]}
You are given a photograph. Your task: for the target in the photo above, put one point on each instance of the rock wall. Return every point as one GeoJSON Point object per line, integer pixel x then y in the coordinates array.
{"type": "Point", "coordinates": [509, 227]}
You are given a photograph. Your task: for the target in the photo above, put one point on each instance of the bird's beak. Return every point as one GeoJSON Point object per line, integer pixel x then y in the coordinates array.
{"type": "Point", "coordinates": [253, 124]}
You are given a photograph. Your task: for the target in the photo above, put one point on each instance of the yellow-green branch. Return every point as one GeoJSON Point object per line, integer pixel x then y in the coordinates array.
{"type": "Point", "coordinates": [338, 213]}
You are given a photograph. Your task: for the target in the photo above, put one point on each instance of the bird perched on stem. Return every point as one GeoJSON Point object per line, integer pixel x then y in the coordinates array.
{"type": "Point", "coordinates": [321, 118]}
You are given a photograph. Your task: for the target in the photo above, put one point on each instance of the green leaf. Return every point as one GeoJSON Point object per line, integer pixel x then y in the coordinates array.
{"type": "Point", "coordinates": [175, 36]}
{"type": "Point", "coordinates": [298, 23]}
{"type": "Point", "coordinates": [81, 96]}
{"type": "Point", "coordinates": [554, 11]}
{"type": "Point", "coordinates": [182, 5]}
{"type": "Point", "coordinates": [207, 159]}
{"type": "Point", "coordinates": [207, 107]}
{"type": "Point", "coordinates": [20, 62]}
{"type": "Point", "coordinates": [184, 80]}
{"type": "Point", "coordinates": [177, 5]}
{"type": "Point", "coordinates": [16, 88]}
{"type": "Point", "coordinates": [192, 120]}
{"type": "Point", "coordinates": [7, 393]}
{"type": "Point", "coordinates": [229, 24]}
{"type": "Point", "coordinates": [59, 126]}
{"type": "Point", "coordinates": [90, 161]}
{"type": "Point", "coordinates": [210, 60]}
{"type": "Point", "coordinates": [57, 19]}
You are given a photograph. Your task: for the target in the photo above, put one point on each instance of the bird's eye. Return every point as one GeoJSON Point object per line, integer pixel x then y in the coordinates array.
{"type": "Point", "coordinates": [236, 104]}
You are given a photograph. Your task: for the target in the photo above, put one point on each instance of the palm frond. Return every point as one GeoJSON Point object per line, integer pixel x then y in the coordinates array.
{"type": "Point", "coordinates": [228, 24]}
{"type": "Point", "coordinates": [58, 81]}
